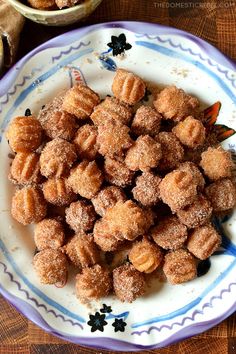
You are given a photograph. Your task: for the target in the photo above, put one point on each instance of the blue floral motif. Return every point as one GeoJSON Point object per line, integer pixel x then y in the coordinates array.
{"type": "Point", "coordinates": [119, 325]}
{"type": "Point", "coordinates": [118, 44]}
{"type": "Point", "coordinates": [97, 322]}
{"type": "Point", "coordinates": [106, 309]}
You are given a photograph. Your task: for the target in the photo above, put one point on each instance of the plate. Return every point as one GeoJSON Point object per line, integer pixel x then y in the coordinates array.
{"type": "Point", "coordinates": [162, 56]}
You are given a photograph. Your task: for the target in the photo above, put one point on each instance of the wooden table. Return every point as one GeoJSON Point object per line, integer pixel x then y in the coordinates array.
{"type": "Point", "coordinates": [214, 21]}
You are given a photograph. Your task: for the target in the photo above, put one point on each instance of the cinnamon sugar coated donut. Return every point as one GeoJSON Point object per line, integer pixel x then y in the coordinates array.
{"type": "Point", "coordinates": [190, 132]}
{"type": "Point", "coordinates": [146, 121]}
{"type": "Point", "coordinates": [222, 194]}
{"type": "Point", "coordinates": [42, 4]}
{"type": "Point", "coordinates": [107, 198]}
{"type": "Point", "coordinates": [116, 172]}
{"type": "Point", "coordinates": [58, 192]}
{"type": "Point", "coordinates": [80, 216]}
{"type": "Point", "coordinates": [172, 151]}
{"type": "Point", "coordinates": [49, 233]}
{"type": "Point", "coordinates": [216, 163]}
{"type": "Point", "coordinates": [105, 237]}
{"type": "Point", "coordinates": [192, 168]}
{"type": "Point", "coordinates": [85, 142]}
{"type": "Point", "coordinates": [146, 190]}
{"type": "Point", "coordinates": [25, 168]}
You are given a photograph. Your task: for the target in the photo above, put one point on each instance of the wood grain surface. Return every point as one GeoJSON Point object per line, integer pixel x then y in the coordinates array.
{"type": "Point", "coordinates": [214, 21]}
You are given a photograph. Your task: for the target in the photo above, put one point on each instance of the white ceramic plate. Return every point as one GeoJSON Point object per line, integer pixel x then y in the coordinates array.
{"type": "Point", "coordinates": [166, 313]}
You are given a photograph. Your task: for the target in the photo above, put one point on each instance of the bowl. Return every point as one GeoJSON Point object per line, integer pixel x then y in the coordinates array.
{"type": "Point", "coordinates": [1, 55]}
{"type": "Point", "coordinates": [56, 17]}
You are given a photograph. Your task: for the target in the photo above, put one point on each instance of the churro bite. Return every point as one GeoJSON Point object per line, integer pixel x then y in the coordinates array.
{"type": "Point", "coordinates": [203, 241]}
{"type": "Point", "coordinates": [104, 237]}
{"type": "Point", "coordinates": [128, 283]}
{"type": "Point", "coordinates": [49, 233]}
{"type": "Point", "coordinates": [173, 103]}
{"type": "Point", "coordinates": [191, 132]}
{"type": "Point", "coordinates": [178, 189]}
{"type": "Point", "coordinates": [82, 251]}
{"type": "Point", "coordinates": [216, 163]}
{"type": "Point", "coordinates": [93, 283]}
{"type": "Point", "coordinates": [58, 192]}
{"type": "Point", "coordinates": [169, 233]}
{"type": "Point", "coordinates": [222, 194]}
{"type": "Point", "coordinates": [80, 216]}
{"type": "Point", "coordinates": [28, 205]}
{"type": "Point", "coordinates": [144, 154]}
{"type": "Point", "coordinates": [86, 179]}
{"type": "Point", "coordinates": [172, 151]}
{"type": "Point", "coordinates": [24, 134]}
{"type": "Point", "coordinates": [116, 172]}
{"type": "Point", "coordinates": [107, 198]}
{"type": "Point", "coordinates": [50, 266]}
{"type": "Point", "coordinates": [42, 4]}
{"type": "Point", "coordinates": [66, 3]}
{"type": "Point", "coordinates": [192, 168]}
{"type": "Point", "coordinates": [146, 190]}
{"type": "Point", "coordinates": [145, 256]}
{"type": "Point", "coordinates": [85, 142]}
{"type": "Point", "coordinates": [197, 213]}
{"type": "Point", "coordinates": [57, 158]}
{"type": "Point", "coordinates": [111, 109]}
{"type": "Point", "coordinates": [25, 168]}
{"type": "Point", "coordinates": [128, 87]}
{"type": "Point", "coordinates": [146, 121]}
{"type": "Point", "coordinates": [80, 101]}
{"type": "Point", "coordinates": [179, 266]}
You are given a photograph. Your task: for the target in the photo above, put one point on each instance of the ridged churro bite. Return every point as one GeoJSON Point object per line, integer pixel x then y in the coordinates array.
{"type": "Point", "coordinates": [28, 205]}
{"type": "Point", "coordinates": [104, 237]}
{"type": "Point", "coordinates": [203, 241]}
{"type": "Point", "coordinates": [128, 87]}
{"type": "Point", "coordinates": [80, 101]}
{"type": "Point", "coordinates": [172, 151]}
{"type": "Point", "coordinates": [85, 142]}
{"type": "Point", "coordinates": [144, 154]}
{"type": "Point", "coordinates": [49, 233]}
{"type": "Point", "coordinates": [107, 198]}
{"type": "Point", "coordinates": [128, 283]}
{"type": "Point", "coordinates": [42, 4]}
{"type": "Point", "coordinates": [113, 139]}
{"type": "Point", "coordinates": [111, 109]}
{"type": "Point", "coordinates": [66, 3]}
{"type": "Point", "coordinates": [146, 190]}
{"type": "Point", "coordinates": [58, 192]}
{"type": "Point", "coordinates": [25, 168]}
{"type": "Point", "coordinates": [173, 103]}
{"type": "Point", "coordinates": [179, 266]}
{"type": "Point", "coordinates": [80, 216]}
{"type": "Point", "coordinates": [197, 213]}
{"type": "Point", "coordinates": [145, 256]}
{"type": "Point", "coordinates": [50, 266]}
{"type": "Point", "coordinates": [24, 134]}
{"type": "Point", "coordinates": [169, 233]}
{"type": "Point", "coordinates": [222, 194]}
{"type": "Point", "coordinates": [216, 163]}
{"type": "Point", "coordinates": [147, 121]}
{"type": "Point", "coordinates": [191, 132]}
{"type": "Point", "coordinates": [82, 250]}
{"type": "Point", "coordinates": [57, 158]}
{"type": "Point", "coordinates": [86, 179]}
{"type": "Point", "coordinates": [178, 189]}
{"type": "Point", "coordinates": [116, 172]}
{"type": "Point", "coordinates": [192, 168]}
{"type": "Point", "coordinates": [93, 283]}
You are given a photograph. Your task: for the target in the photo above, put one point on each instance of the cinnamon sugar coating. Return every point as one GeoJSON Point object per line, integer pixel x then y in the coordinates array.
{"type": "Point", "coordinates": [25, 168]}
{"type": "Point", "coordinates": [192, 168]}
{"type": "Point", "coordinates": [116, 172]}
{"type": "Point", "coordinates": [222, 194]}
{"type": "Point", "coordinates": [28, 205]}
{"type": "Point", "coordinates": [145, 256]}
{"type": "Point", "coordinates": [80, 216]}
{"type": "Point", "coordinates": [85, 142]}
{"type": "Point", "coordinates": [173, 103]}
{"type": "Point", "coordinates": [178, 189]}
{"type": "Point", "coordinates": [197, 213]}
{"type": "Point", "coordinates": [42, 4]}
{"type": "Point", "coordinates": [111, 109]}
{"type": "Point", "coordinates": [203, 241]}
{"type": "Point", "coordinates": [216, 163]}
{"type": "Point", "coordinates": [50, 266]}
{"type": "Point", "coordinates": [24, 134]}
{"type": "Point", "coordinates": [191, 132]}
{"type": "Point", "coordinates": [104, 237]}
{"type": "Point", "coordinates": [144, 154]}
{"type": "Point", "coordinates": [80, 101]}
{"type": "Point", "coordinates": [170, 233]}
{"type": "Point", "coordinates": [146, 121]}
{"type": "Point", "coordinates": [128, 283]}
{"type": "Point", "coordinates": [107, 198]}
{"type": "Point", "coordinates": [128, 87]}
{"type": "Point", "coordinates": [179, 266]}
{"type": "Point", "coordinates": [172, 151]}
{"type": "Point", "coordinates": [146, 190]}
{"type": "Point", "coordinates": [66, 3]}
{"type": "Point", "coordinates": [58, 192]}
{"type": "Point", "coordinates": [49, 233]}
{"type": "Point", "coordinates": [86, 179]}
{"type": "Point", "coordinates": [57, 158]}
{"type": "Point", "coordinates": [93, 283]}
